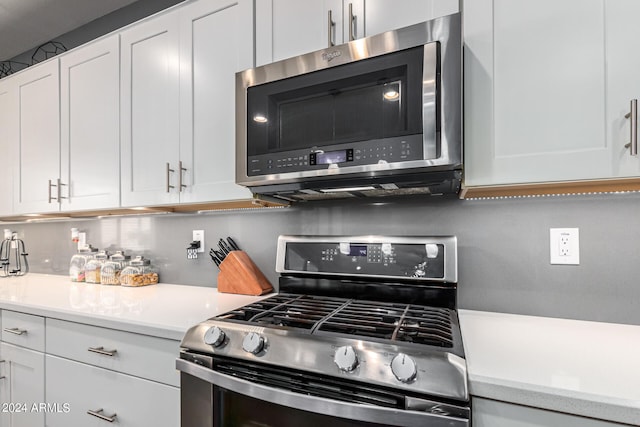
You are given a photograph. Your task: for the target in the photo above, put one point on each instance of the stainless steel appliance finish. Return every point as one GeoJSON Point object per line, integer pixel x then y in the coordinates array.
{"type": "Point", "coordinates": [386, 244]}
{"type": "Point", "coordinates": [317, 352]}
{"type": "Point", "coordinates": [430, 164]}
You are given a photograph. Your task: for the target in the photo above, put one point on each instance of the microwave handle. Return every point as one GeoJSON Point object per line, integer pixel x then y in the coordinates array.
{"type": "Point", "coordinates": [319, 405]}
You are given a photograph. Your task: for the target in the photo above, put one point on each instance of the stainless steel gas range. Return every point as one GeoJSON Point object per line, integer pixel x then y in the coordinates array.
{"type": "Point", "coordinates": [364, 332]}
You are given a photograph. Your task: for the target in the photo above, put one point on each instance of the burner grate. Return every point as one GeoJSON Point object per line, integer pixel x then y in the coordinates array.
{"type": "Point", "coordinates": [388, 321]}
{"type": "Point", "coordinates": [396, 322]}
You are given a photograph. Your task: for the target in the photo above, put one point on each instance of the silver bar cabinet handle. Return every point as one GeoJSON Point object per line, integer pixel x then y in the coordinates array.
{"type": "Point", "coordinates": [633, 115]}
{"type": "Point", "coordinates": [101, 350]}
{"type": "Point", "coordinates": [51, 185]}
{"type": "Point", "coordinates": [100, 414]}
{"type": "Point", "coordinates": [15, 331]}
{"type": "Point", "coordinates": [60, 185]}
{"type": "Point", "coordinates": [169, 170]}
{"type": "Point", "coordinates": [182, 169]}
{"type": "Point", "coordinates": [330, 25]}
{"type": "Point", "coordinates": [352, 21]}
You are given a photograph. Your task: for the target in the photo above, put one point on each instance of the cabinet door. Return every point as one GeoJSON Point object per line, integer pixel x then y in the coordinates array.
{"type": "Point", "coordinates": [491, 413]}
{"type": "Point", "coordinates": [22, 386]}
{"type": "Point", "coordinates": [212, 30]}
{"type": "Point", "coordinates": [286, 28]}
{"type": "Point", "coordinates": [623, 84]}
{"type": "Point", "coordinates": [534, 91]}
{"type": "Point", "coordinates": [131, 401]}
{"type": "Point", "coordinates": [90, 126]}
{"type": "Point", "coordinates": [385, 15]}
{"type": "Point", "coordinates": [8, 141]}
{"type": "Point", "coordinates": [150, 88]}
{"type": "Point", "coordinates": [354, 20]}
{"type": "Point", "coordinates": [38, 150]}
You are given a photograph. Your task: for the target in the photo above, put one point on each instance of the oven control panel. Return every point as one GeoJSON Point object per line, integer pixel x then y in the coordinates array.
{"type": "Point", "coordinates": [406, 366]}
{"type": "Point", "coordinates": [420, 259]}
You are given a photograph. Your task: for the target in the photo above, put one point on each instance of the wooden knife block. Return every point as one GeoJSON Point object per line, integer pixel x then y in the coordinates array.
{"type": "Point", "coordinates": [239, 275]}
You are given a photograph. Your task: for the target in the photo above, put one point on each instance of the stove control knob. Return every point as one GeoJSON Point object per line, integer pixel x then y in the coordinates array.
{"type": "Point", "coordinates": [404, 368]}
{"type": "Point", "coordinates": [214, 336]}
{"type": "Point", "coordinates": [346, 358]}
{"type": "Point", "coordinates": [253, 343]}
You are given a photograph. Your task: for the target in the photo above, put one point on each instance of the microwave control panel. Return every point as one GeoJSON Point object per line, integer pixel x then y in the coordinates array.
{"type": "Point", "coordinates": [390, 150]}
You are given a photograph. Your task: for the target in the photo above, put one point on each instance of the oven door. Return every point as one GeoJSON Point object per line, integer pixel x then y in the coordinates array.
{"type": "Point", "coordinates": [215, 399]}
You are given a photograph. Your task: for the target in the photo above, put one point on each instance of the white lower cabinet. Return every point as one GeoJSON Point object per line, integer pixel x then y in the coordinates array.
{"type": "Point", "coordinates": [492, 413]}
{"type": "Point", "coordinates": [94, 396]}
{"type": "Point", "coordinates": [143, 356]}
{"type": "Point", "coordinates": [21, 387]}
{"type": "Point", "coordinates": [85, 375]}
{"type": "Point", "coordinates": [104, 374]}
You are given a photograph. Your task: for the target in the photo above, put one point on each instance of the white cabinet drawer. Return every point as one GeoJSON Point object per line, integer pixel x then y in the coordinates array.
{"type": "Point", "coordinates": [140, 355]}
{"type": "Point", "coordinates": [134, 401]}
{"type": "Point", "coordinates": [22, 329]}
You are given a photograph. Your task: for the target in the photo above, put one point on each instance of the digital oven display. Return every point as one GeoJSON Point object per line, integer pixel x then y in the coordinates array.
{"type": "Point", "coordinates": [331, 157]}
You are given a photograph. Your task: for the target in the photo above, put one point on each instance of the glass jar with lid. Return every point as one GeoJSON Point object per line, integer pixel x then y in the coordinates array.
{"type": "Point", "coordinates": [78, 263]}
{"type": "Point", "coordinates": [93, 266]}
{"type": "Point", "coordinates": [111, 269]}
{"type": "Point", "coordinates": [139, 272]}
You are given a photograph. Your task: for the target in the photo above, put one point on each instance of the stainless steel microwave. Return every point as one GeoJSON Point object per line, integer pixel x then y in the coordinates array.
{"type": "Point", "coordinates": [376, 116]}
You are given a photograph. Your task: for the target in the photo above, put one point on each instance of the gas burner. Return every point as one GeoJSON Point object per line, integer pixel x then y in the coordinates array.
{"type": "Point", "coordinates": [387, 321]}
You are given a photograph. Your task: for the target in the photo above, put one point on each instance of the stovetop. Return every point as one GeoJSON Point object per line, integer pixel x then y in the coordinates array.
{"type": "Point", "coordinates": [364, 309]}
{"type": "Point", "coordinates": [393, 322]}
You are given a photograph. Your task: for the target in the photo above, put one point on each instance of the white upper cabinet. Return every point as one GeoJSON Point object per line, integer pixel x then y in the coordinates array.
{"type": "Point", "coordinates": [623, 81]}
{"type": "Point", "coordinates": [37, 165]}
{"type": "Point", "coordinates": [286, 28]}
{"type": "Point", "coordinates": [178, 103]}
{"type": "Point", "coordinates": [150, 86]}
{"type": "Point", "coordinates": [8, 141]}
{"type": "Point", "coordinates": [90, 131]}
{"type": "Point", "coordinates": [547, 89]}
{"type": "Point", "coordinates": [67, 140]}
{"type": "Point", "coordinates": [216, 42]}
{"type": "Point", "coordinates": [386, 15]}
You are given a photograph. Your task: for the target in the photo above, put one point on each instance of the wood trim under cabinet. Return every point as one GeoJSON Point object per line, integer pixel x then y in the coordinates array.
{"type": "Point", "coordinates": [552, 188]}
{"type": "Point", "coordinates": [255, 203]}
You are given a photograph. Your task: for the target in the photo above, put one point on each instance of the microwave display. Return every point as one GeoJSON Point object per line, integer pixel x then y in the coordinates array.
{"type": "Point", "coordinates": [331, 157]}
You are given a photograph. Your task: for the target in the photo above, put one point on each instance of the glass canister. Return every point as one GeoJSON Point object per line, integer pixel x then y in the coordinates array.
{"type": "Point", "coordinates": [111, 269]}
{"type": "Point", "coordinates": [93, 267]}
{"type": "Point", "coordinates": [78, 263]}
{"type": "Point", "coordinates": [139, 272]}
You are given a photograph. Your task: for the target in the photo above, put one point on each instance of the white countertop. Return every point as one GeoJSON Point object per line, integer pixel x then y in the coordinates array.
{"type": "Point", "coordinates": [585, 368]}
{"type": "Point", "coordinates": [162, 310]}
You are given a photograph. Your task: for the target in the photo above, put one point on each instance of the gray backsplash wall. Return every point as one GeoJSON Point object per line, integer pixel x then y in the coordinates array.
{"type": "Point", "coordinates": [503, 246]}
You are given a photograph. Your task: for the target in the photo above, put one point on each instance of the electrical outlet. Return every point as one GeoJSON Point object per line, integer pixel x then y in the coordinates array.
{"type": "Point", "coordinates": [564, 246]}
{"type": "Point", "coordinates": [198, 235]}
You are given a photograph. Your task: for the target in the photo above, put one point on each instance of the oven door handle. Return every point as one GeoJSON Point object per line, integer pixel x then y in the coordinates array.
{"type": "Point", "coordinates": [320, 405]}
